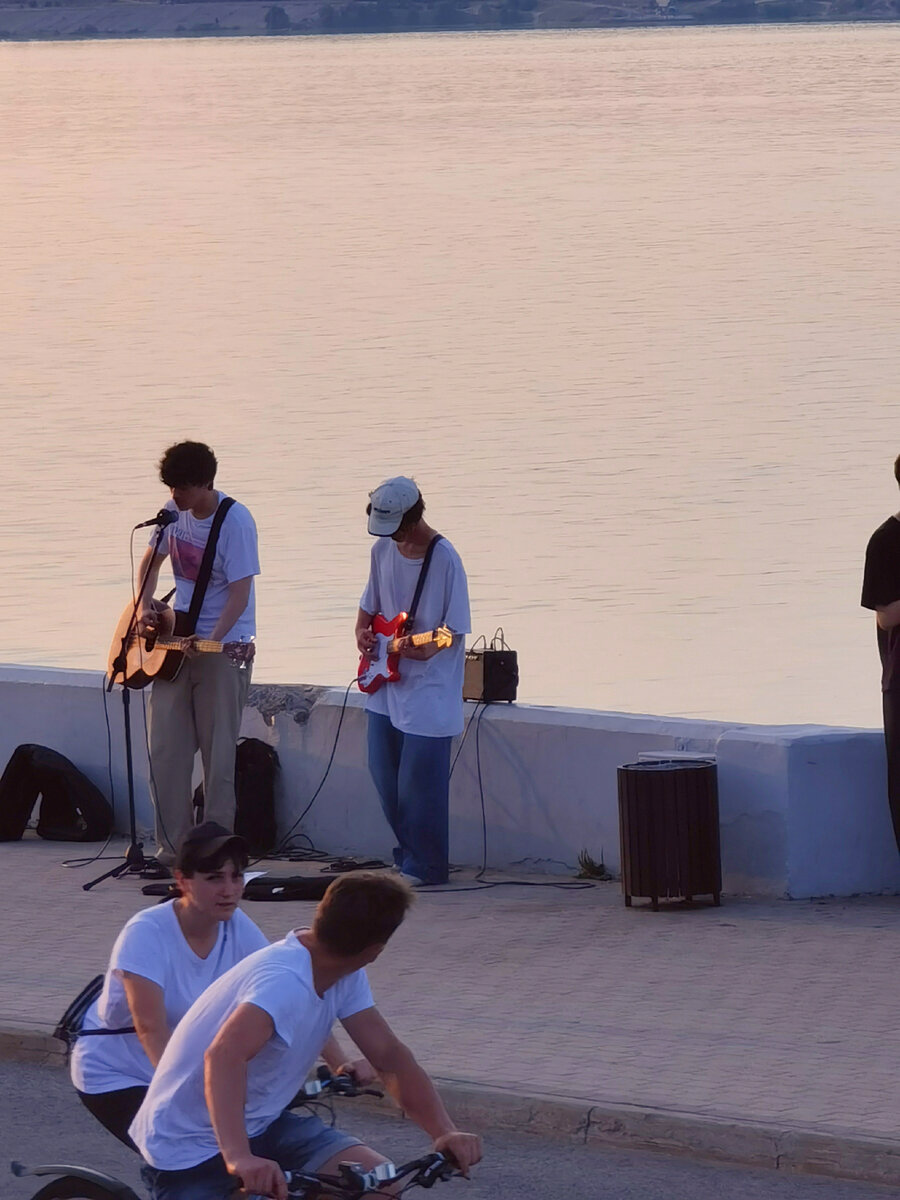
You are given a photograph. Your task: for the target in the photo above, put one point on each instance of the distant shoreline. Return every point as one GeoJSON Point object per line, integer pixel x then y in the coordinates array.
{"type": "Point", "coordinates": [57, 20]}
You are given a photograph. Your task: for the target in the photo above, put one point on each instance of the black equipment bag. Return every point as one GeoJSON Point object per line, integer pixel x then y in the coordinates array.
{"type": "Point", "coordinates": [288, 887]}
{"type": "Point", "coordinates": [255, 774]}
{"type": "Point", "coordinates": [72, 808]}
{"type": "Point", "coordinates": [69, 1028]}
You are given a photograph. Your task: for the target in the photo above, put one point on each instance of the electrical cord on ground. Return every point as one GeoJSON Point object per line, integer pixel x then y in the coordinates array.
{"type": "Point", "coordinates": [481, 884]}
{"type": "Point", "coordinates": [279, 849]}
{"type": "Point", "coordinates": [284, 850]}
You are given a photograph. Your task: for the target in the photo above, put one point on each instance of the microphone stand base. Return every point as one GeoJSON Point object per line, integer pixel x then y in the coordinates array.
{"type": "Point", "coordinates": [134, 863]}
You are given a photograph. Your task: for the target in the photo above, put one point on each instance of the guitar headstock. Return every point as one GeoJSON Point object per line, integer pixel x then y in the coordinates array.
{"type": "Point", "coordinates": [443, 637]}
{"type": "Point", "coordinates": [240, 654]}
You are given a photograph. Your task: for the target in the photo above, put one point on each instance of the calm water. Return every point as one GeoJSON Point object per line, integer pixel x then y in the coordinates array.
{"type": "Point", "coordinates": [625, 303]}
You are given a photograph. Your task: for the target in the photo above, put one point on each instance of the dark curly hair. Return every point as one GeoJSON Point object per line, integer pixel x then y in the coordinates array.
{"type": "Point", "coordinates": [188, 464]}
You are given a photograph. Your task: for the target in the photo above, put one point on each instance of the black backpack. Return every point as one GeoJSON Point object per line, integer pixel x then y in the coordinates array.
{"type": "Point", "coordinates": [72, 808]}
{"type": "Point", "coordinates": [255, 773]}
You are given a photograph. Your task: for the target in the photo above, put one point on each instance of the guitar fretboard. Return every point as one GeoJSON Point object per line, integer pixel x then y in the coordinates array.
{"type": "Point", "coordinates": [202, 644]}
{"type": "Point", "coordinates": [422, 639]}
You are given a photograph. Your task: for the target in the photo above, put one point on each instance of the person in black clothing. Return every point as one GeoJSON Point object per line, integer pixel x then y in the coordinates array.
{"type": "Point", "coordinates": [881, 593]}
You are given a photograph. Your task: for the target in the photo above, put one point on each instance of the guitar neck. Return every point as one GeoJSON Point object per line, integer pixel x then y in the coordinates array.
{"type": "Point", "coordinates": [417, 639]}
{"type": "Point", "coordinates": [202, 644]}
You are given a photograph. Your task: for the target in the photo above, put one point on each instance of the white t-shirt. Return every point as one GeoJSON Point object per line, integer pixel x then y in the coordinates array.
{"type": "Point", "coordinates": [427, 698]}
{"type": "Point", "coordinates": [172, 1129]}
{"type": "Point", "coordinates": [152, 945]}
{"type": "Point", "coordinates": [236, 557]}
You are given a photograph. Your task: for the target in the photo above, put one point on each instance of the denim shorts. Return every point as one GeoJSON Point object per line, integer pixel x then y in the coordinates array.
{"type": "Point", "coordinates": [295, 1142]}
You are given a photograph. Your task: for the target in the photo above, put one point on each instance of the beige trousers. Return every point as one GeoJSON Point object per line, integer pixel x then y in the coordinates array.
{"type": "Point", "coordinates": [200, 709]}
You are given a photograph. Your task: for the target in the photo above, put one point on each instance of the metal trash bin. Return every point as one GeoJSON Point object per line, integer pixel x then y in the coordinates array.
{"type": "Point", "coordinates": [669, 829]}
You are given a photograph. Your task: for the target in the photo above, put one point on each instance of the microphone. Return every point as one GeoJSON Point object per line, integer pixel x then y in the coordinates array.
{"type": "Point", "coordinates": [165, 516]}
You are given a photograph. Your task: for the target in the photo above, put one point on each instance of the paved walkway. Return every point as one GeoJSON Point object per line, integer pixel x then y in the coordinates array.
{"type": "Point", "coordinates": [757, 1013]}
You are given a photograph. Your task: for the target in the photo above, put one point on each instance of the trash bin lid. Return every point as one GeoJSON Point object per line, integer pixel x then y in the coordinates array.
{"type": "Point", "coordinates": [670, 764]}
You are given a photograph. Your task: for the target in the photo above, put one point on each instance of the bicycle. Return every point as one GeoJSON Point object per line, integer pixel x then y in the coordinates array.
{"type": "Point", "coordinates": [73, 1182]}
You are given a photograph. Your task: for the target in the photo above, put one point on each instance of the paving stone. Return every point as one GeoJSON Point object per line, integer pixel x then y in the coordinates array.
{"type": "Point", "coordinates": [772, 1013]}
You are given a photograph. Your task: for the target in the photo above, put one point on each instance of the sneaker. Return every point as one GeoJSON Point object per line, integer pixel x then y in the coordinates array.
{"type": "Point", "coordinates": [412, 880]}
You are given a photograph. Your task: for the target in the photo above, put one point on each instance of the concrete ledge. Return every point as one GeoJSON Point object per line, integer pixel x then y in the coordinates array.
{"type": "Point", "coordinates": [802, 808]}
{"type": "Point", "coordinates": [839, 1154]}
{"type": "Point", "coordinates": [31, 1045]}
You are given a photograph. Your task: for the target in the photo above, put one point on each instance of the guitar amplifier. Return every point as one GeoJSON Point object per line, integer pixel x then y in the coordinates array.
{"type": "Point", "coordinates": [491, 675]}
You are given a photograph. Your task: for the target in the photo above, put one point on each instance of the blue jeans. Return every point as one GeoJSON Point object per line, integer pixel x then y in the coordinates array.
{"type": "Point", "coordinates": [296, 1143]}
{"type": "Point", "coordinates": [412, 776]}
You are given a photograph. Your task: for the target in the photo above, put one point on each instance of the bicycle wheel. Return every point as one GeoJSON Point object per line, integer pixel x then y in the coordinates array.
{"type": "Point", "coordinates": [68, 1187]}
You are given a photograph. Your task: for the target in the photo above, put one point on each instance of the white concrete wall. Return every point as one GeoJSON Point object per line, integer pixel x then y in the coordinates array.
{"type": "Point", "coordinates": [803, 808]}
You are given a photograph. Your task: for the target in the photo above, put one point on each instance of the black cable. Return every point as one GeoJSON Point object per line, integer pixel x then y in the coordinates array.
{"type": "Point", "coordinates": [77, 862]}
{"type": "Point", "coordinates": [281, 845]}
{"type": "Point", "coordinates": [482, 884]}
{"type": "Point", "coordinates": [153, 793]}
{"type": "Point", "coordinates": [481, 794]}
{"type": "Point", "coordinates": [313, 855]}
{"type": "Point", "coordinates": [564, 885]}
{"type": "Point", "coordinates": [327, 1105]}
{"type": "Point", "coordinates": [86, 862]}
{"type": "Point", "coordinates": [479, 704]}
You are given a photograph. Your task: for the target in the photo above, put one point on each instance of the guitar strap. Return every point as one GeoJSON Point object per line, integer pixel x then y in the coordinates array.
{"type": "Point", "coordinates": [186, 623]}
{"type": "Point", "coordinates": [408, 624]}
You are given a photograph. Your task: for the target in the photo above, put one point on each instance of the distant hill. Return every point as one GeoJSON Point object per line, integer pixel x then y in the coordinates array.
{"type": "Point", "coordinates": [58, 19]}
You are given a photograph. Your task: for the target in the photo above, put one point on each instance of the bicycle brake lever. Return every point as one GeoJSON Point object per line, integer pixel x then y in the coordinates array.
{"type": "Point", "coordinates": [440, 1169]}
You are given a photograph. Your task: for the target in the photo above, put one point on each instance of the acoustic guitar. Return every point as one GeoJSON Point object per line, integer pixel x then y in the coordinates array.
{"type": "Point", "coordinates": [384, 665]}
{"type": "Point", "coordinates": [160, 654]}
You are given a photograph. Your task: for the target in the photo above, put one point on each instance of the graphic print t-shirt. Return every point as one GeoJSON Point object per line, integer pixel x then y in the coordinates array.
{"type": "Point", "coordinates": [237, 556]}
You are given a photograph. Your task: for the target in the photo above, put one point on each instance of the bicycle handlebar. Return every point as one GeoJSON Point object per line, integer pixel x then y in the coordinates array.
{"type": "Point", "coordinates": [337, 1085]}
{"type": "Point", "coordinates": [352, 1182]}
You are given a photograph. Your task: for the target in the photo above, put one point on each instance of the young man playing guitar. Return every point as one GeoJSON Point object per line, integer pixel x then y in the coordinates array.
{"type": "Point", "coordinates": [413, 719]}
{"type": "Point", "coordinates": [202, 706]}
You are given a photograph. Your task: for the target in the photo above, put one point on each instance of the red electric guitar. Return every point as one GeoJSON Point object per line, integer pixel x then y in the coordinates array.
{"type": "Point", "coordinates": [384, 665]}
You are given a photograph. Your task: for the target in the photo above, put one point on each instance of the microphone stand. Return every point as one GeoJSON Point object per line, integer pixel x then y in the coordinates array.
{"type": "Point", "coordinates": [134, 861]}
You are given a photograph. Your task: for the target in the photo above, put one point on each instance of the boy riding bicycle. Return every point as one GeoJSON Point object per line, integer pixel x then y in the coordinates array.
{"type": "Point", "coordinates": [217, 1106]}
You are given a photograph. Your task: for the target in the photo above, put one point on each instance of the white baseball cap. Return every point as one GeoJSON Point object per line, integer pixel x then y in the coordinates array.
{"type": "Point", "coordinates": [390, 501]}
